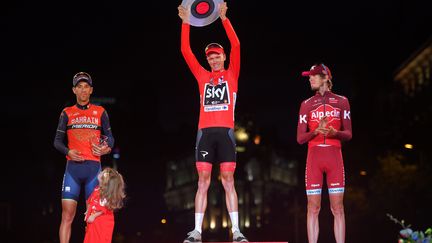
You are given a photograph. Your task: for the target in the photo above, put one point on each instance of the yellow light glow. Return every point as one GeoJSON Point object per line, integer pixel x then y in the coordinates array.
{"type": "Point", "coordinates": [240, 149]}
{"type": "Point", "coordinates": [242, 135]}
{"type": "Point", "coordinates": [363, 173]}
{"type": "Point", "coordinates": [212, 224]}
{"type": "Point", "coordinates": [409, 146]}
{"type": "Point", "coordinates": [224, 224]}
{"type": "Point", "coordinates": [163, 221]}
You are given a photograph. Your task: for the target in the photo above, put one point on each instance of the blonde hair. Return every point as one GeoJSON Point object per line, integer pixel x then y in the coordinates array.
{"type": "Point", "coordinates": [329, 82]}
{"type": "Point", "coordinates": [112, 188]}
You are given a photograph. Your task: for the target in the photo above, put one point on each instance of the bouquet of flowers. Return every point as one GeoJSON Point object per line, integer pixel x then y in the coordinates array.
{"type": "Point", "coordinates": [407, 235]}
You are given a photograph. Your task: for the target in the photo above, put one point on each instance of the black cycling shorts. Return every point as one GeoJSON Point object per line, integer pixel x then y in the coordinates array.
{"type": "Point", "coordinates": [215, 144]}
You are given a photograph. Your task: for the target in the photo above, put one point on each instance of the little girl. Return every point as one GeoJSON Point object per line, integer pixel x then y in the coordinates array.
{"type": "Point", "coordinates": [106, 198]}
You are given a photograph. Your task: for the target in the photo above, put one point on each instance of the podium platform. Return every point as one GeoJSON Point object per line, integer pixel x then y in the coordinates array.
{"type": "Point", "coordinates": [248, 242]}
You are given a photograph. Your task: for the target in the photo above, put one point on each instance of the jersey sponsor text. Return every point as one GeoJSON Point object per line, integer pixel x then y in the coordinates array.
{"type": "Point", "coordinates": [85, 119]}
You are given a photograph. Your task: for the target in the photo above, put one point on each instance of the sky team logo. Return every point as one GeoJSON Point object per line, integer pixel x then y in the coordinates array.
{"type": "Point", "coordinates": [216, 97]}
{"type": "Point", "coordinates": [331, 112]}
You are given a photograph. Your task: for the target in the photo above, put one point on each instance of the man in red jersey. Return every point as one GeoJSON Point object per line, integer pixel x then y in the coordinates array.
{"type": "Point", "coordinates": [80, 124]}
{"type": "Point", "coordinates": [215, 139]}
{"type": "Point", "coordinates": [324, 121]}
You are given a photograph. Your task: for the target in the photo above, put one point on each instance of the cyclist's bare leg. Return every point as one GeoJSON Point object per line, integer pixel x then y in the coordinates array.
{"type": "Point", "coordinates": [337, 208]}
{"type": "Point", "coordinates": [68, 214]}
{"type": "Point", "coordinates": [313, 209]}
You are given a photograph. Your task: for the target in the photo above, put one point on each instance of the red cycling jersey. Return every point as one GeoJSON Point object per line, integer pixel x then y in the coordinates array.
{"type": "Point", "coordinates": [218, 89]}
{"type": "Point", "coordinates": [324, 153]}
{"type": "Point", "coordinates": [96, 204]}
{"type": "Point", "coordinates": [337, 110]}
{"type": "Point", "coordinates": [81, 126]}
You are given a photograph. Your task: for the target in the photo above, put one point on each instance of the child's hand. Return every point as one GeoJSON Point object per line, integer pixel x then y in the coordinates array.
{"type": "Point", "coordinates": [91, 218]}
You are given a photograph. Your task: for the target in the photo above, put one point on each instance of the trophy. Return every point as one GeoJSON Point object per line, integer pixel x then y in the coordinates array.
{"type": "Point", "coordinates": [99, 140]}
{"type": "Point", "coordinates": [202, 12]}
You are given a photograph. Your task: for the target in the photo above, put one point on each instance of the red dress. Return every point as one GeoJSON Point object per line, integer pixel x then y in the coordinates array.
{"type": "Point", "coordinates": [101, 229]}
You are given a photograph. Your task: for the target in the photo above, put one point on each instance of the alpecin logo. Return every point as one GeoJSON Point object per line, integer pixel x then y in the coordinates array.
{"type": "Point", "coordinates": [331, 112]}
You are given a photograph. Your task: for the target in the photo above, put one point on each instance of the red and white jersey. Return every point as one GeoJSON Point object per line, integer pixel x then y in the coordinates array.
{"type": "Point", "coordinates": [337, 110]}
{"type": "Point", "coordinates": [96, 204]}
{"type": "Point", "coordinates": [218, 90]}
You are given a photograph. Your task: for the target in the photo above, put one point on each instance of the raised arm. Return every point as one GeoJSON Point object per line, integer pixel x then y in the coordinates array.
{"type": "Point", "coordinates": [186, 50]}
{"type": "Point", "coordinates": [234, 40]}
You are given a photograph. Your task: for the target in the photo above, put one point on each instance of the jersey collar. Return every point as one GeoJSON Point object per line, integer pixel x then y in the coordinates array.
{"type": "Point", "coordinates": [325, 93]}
{"type": "Point", "coordinates": [83, 107]}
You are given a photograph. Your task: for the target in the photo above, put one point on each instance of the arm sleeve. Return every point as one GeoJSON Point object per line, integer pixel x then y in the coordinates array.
{"type": "Point", "coordinates": [106, 129]}
{"type": "Point", "coordinates": [303, 135]}
{"type": "Point", "coordinates": [101, 209]}
{"type": "Point", "coordinates": [188, 55]}
{"type": "Point", "coordinates": [345, 133]}
{"type": "Point", "coordinates": [61, 134]}
{"type": "Point", "coordinates": [235, 47]}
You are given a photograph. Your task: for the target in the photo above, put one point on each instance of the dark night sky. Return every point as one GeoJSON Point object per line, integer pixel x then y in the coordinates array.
{"type": "Point", "coordinates": [132, 51]}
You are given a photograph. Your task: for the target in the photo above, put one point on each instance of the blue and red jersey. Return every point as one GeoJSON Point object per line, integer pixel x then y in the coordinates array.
{"type": "Point", "coordinates": [79, 124]}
